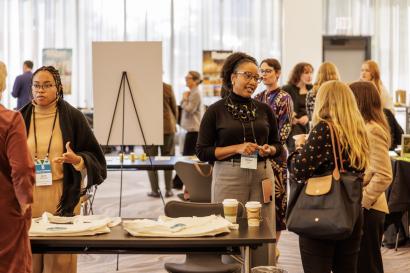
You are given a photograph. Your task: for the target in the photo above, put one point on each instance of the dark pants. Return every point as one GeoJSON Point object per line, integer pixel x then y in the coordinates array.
{"type": "Point", "coordinates": [167, 149]}
{"type": "Point", "coordinates": [370, 257]}
{"type": "Point", "coordinates": [190, 143]}
{"type": "Point", "coordinates": [322, 256]}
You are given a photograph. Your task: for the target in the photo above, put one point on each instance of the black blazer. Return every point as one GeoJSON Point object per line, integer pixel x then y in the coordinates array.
{"type": "Point", "coordinates": [395, 129]}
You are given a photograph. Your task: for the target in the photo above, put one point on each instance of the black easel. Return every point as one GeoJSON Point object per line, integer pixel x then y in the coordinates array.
{"type": "Point", "coordinates": [125, 81]}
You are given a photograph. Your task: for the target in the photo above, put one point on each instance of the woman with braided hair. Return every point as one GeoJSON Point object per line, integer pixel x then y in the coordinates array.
{"type": "Point", "coordinates": [236, 129]}
{"type": "Point", "coordinates": [64, 150]}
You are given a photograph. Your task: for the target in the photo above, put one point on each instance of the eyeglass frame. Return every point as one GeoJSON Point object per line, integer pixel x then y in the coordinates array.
{"type": "Point", "coordinates": [41, 86]}
{"type": "Point", "coordinates": [248, 77]}
{"type": "Point", "coordinates": [266, 71]}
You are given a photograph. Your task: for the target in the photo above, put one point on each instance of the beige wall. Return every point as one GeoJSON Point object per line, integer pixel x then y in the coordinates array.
{"type": "Point", "coordinates": [302, 34]}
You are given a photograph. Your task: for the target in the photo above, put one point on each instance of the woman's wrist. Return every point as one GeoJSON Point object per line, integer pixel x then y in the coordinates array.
{"type": "Point", "coordinates": [272, 150]}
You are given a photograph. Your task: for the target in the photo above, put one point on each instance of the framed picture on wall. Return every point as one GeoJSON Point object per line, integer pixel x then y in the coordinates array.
{"type": "Point", "coordinates": [405, 146]}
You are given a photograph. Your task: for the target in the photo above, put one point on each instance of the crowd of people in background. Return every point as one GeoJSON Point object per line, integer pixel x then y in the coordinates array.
{"type": "Point", "coordinates": [248, 138]}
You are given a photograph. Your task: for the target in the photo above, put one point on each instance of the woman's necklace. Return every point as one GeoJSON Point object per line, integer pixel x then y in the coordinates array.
{"type": "Point", "coordinates": [244, 112]}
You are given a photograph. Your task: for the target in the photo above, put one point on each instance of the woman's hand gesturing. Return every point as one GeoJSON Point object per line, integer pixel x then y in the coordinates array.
{"type": "Point", "coordinates": [69, 157]}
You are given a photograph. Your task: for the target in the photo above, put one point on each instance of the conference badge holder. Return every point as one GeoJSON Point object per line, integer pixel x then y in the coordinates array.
{"type": "Point", "coordinates": [43, 172]}
{"type": "Point", "coordinates": [249, 161]}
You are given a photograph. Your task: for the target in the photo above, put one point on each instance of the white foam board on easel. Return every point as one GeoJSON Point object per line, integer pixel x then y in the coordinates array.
{"type": "Point", "coordinates": [143, 63]}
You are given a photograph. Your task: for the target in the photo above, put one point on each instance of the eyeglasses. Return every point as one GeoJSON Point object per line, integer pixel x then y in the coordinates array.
{"type": "Point", "coordinates": [44, 86]}
{"type": "Point", "coordinates": [266, 71]}
{"type": "Point", "coordinates": [248, 76]}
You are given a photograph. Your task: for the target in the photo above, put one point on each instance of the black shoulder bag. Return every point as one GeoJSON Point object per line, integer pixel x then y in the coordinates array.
{"type": "Point", "coordinates": [328, 206]}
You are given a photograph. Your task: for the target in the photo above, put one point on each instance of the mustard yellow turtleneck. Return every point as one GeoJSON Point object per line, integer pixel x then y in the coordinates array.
{"type": "Point", "coordinates": [44, 124]}
{"type": "Point", "coordinates": [46, 198]}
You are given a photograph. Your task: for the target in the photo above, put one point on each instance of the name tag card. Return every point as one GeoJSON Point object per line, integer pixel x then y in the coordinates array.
{"type": "Point", "coordinates": [43, 173]}
{"type": "Point", "coordinates": [249, 161]}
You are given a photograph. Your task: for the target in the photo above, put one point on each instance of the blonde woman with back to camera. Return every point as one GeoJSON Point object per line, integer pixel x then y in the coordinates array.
{"type": "Point", "coordinates": [335, 103]}
{"type": "Point", "coordinates": [327, 72]}
{"type": "Point", "coordinates": [16, 195]}
{"type": "Point", "coordinates": [378, 176]}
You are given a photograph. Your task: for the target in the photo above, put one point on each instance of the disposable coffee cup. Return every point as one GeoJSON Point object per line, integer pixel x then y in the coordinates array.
{"type": "Point", "coordinates": [253, 211]}
{"type": "Point", "coordinates": [296, 137]}
{"type": "Point", "coordinates": [230, 209]}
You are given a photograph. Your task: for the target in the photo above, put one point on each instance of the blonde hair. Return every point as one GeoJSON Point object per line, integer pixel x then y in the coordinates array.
{"type": "Point", "coordinates": [336, 103]}
{"type": "Point", "coordinates": [3, 75]}
{"type": "Point", "coordinates": [375, 73]}
{"type": "Point", "coordinates": [326, 72]}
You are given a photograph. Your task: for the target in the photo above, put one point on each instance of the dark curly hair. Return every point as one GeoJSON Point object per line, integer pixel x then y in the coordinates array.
{"type": "Point", "coordinates": [56, 75]}
{"type": "Point", "coordinates": [229, 67]}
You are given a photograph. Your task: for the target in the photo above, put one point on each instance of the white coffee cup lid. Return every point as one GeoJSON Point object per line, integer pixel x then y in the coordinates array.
{"type": "Point", "coordinates": [295, 137]}
{"type": "Point", "coordinates": [230, 201]}
{"type": "Point", "coordinates": [253, 204]}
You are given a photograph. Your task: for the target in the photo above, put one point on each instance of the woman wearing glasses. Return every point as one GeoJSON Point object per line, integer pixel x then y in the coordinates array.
{"type": "Point", "coordinates": [281, 104]}
{"type": "Point", "coordinates": [64, 150]}
{"type": "Point", "coordinates": [239, 134]}
{"type": "Point", "coordinates": [16, 194]}
{"type": "Point", "coordinates": [299, 84]}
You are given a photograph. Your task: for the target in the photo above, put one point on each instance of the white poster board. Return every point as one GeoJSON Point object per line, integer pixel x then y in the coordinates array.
{"type": "Point", "coordinates": [142, 61]}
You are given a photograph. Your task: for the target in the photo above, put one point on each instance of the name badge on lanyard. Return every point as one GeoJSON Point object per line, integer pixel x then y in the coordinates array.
{"type": "Point", "coordinates": [249, 161]}
{"type": "Point", "coordinates": [43, 172]}
{"type": "Point", "coordinates": [43, 167]}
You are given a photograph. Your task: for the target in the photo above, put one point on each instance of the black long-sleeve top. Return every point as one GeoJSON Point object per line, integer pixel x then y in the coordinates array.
{"type": "Point", "coordinates": [316, 156]}
{"type": "Point", "coordinates": [219, 129]}
{"type": "Point", "coordinates": [395, 130]}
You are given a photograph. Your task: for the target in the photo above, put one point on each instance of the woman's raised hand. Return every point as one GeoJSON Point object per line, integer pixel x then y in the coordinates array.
{"type": "Point", "coordinates": [69, 157]}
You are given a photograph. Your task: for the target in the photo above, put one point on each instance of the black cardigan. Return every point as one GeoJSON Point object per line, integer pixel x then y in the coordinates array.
{"type": "Point", "coordinates": [75, 128]}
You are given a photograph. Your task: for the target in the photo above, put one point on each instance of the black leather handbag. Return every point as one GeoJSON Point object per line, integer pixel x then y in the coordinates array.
{"type": "Point", "coordinates": [327, 206]}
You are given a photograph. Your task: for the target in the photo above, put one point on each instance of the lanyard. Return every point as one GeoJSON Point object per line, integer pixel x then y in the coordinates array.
{"type": "Point", "coordinates": [244, 133]}
{"type": "Point", "coordinates": [35, 134]}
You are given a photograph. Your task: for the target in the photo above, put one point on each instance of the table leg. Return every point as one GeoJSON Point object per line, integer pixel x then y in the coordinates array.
{"type": "Point", "coordinates": [247, 259]}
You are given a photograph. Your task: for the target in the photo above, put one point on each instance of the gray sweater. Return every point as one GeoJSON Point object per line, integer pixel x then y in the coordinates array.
{"type": "Point", "coordinates": [191, 111]}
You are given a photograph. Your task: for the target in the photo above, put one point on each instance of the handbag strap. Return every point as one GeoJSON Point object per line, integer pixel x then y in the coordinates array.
{"type": "Point", "coordinates": [199, 170]}
{"type": "Point", "coordinates": [336, 172]}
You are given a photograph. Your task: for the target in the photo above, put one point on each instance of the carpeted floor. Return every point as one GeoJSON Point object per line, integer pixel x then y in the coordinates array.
{"type": "Point", "coordinates": [136, 203]}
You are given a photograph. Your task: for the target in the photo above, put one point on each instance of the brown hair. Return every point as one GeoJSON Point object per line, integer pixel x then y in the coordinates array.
{"type": "Point", "coordinates": [297, 72]}
{"type": "Point", "coordinates": [275, 64]}
{"type": "Point", "coordinates": [196, 76]}
{"type": "Point", "coordinates": [370, 104]}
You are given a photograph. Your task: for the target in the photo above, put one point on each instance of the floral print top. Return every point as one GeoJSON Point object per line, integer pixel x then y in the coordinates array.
{"type": "Point", "coordinates": [282, 106]}
{"type": "Point", "coordinates": [310, 103]}
{"type": "Point", "coordinates": [316, 156]}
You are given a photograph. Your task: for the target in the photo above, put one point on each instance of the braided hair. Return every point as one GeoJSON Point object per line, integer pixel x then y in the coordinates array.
{"type": "Point", "coordinates": [229, 67]}
{"type": "Point", "coordinates": [56, 75]}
